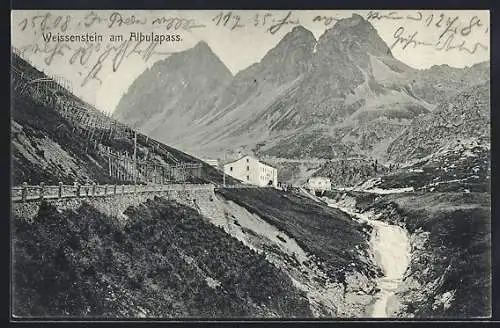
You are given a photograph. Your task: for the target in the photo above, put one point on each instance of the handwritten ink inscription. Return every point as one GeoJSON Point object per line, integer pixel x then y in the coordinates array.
{"type": "Point", "coordinates": [272, 22]}
{"type": "Point", "coordinates": [87, 50]}
{"type": "Point", "coordinates": [117, 54]}
{"type": "Point", "coordinates": [94, 56]}
{"type": "Point", "coordinates": [454, 31]}
{"type": "Point", "coordinates": [411, 30]}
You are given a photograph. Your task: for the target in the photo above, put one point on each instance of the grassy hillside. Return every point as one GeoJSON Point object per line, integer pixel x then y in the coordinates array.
{"type": "Point", "coordinates": [47, 147]}
{"type": "Point", "coordinates": [165, 262]}
{"type": "Point", "coordinates": [329, 234]}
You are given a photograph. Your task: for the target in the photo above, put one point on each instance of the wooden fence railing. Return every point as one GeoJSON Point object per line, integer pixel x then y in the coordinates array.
{"type": "Point", "coordinates": [50, 192]}
{"type": "Point", "coordinates": [241, 186]}
{"type": "Point", "coordinates": [27, 192]}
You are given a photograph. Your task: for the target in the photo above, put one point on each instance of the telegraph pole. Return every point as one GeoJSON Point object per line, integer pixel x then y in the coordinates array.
{"type": "Point", "coordinates": [223, 170]}
{"type": "Point", "coordinates": [221, 167]}
{"type": "Point", "coordinates": [223, 176]}
{"type": "Point", "coordinates": [135, 156]}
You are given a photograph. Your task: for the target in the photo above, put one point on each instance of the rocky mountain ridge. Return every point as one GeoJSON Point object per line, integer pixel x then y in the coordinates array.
{"type": "Point", "coordinates": [344, 94]}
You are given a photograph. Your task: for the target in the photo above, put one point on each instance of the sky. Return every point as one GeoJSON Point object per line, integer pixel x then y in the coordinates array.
{"type": "Point", "coordinates": [101, 72]}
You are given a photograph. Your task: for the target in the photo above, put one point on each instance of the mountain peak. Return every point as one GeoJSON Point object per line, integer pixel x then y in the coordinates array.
{"type": "Point", "coordinates": [197, 71]}
{"type": "Point", "coordinates": [292, 55]}
{"type": "Point", "coordinates": [202, 47]}
{"type": "Point", "coordinates": [202, 54]}
{"type": "Point", "coordinates": [299, 29]}
{"type": "Point", "coordinates": [355, 22]}
{"type": "Point", "coordinates": [358, 18]}
{"type": "Point", "coordinates": [358, 30]}
{"type": "Point", "coordinates": [298, 35]}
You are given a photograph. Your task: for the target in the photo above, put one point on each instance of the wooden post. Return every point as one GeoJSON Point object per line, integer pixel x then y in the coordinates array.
{"type": "Point", "coordinates": [42, 189]}
{"type": "Point", "coordinates": [92, 128]}
{"type": "Point", "coordinates": [122, 172]}
{"type": "Point", "coordinates": [105, 190]}
{"type": "Point", "coordinates": [123, 189]}
{"type": "Point", "coordinates": [59, 193]}
{"type": "Point", "coordinates": [126, 172]}
{"type": "Point", "coordinates": [114, 190]}
{"type": "Point", "coordinates": [109, 165]}
{"type": "Point", "coordinates": [24, 191]}
{"type": "Point", "coordinates": [135, 156]}
{"type": "Point", "coordinates": [129, 170]}
{"type": "Point", "coordinates": [134, 171]}
{"type": "Point", "coordinates": [77, 189]}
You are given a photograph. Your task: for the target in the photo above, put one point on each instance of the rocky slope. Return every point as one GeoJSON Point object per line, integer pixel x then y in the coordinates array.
{"type": "Point", "coordinates": [341, 94]}
{"type": "Point", "coordinates": [446, 148]}
{"type": "Point", "coordinates": [464, 118]}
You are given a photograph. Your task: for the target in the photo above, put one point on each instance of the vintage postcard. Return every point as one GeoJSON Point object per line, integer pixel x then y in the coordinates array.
{"type": "Point", "coordinates": [225, 164]}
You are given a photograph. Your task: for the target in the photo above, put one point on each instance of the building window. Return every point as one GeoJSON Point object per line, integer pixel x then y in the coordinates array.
{"type": "Point", "coordinates": [248, 160]}
{"type": "Point", "coordinates": [248, 168]}
{"type": "Point", "coordinates": [248, 177]}
{"type": "Point", "coordinates": [231, 169]}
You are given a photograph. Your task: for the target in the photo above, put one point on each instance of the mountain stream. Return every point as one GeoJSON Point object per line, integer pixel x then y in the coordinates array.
{"type": "Point", "coordinates": [390, 246]}
{"type": "Point", "coordinates": [391, 249]}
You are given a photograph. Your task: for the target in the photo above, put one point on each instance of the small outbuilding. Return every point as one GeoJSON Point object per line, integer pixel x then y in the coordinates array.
{"type": "Point", "coordinates": [319, 184]}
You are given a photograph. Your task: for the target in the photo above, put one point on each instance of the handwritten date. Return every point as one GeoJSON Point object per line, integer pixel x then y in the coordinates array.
{"type": "Point", "coordinates": [266, 20]}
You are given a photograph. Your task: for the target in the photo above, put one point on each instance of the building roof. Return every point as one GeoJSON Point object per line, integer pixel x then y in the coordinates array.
{"type": "Point", "coordinates": [264, 162]}
{"type": "Point", "coordinates": [240, 158]}
{"type": "Point", "coordinates": [236, 160]}
{"type": "Point", "coordinates": [319, 178]}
